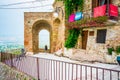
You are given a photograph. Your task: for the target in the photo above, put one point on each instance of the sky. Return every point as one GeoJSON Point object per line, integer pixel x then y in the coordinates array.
{"type": "Point", "coordinates": [12, 20]}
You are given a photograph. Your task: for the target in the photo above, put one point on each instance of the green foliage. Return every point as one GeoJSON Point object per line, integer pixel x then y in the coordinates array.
{"type": "Point", "coordinates": [100, 19]}
{"type": "Point", "coordinates": [25, 78]}
{"type": "Point", "coordinates": [17, 75]}
{"type": "Point", "coordinates": [72, 38]}
{"type": "Point", "coordinates": [72, 5]}
{"type": "Point", "coordinates": [110, 50]}
{"type": "Point", "coordinates": [118, 50]}
{"type": "Point", "coordinates": [33, 79]}
{"type": "Point", "coordinates": [87, 22]}
{"type": "Point", "coordinates": [59, 0]}
{"type": "Point", "coordinates": [16, 51]}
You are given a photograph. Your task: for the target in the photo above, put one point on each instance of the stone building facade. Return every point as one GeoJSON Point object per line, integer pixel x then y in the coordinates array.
{"type": "Point", "coordinates": [112, 33]}
{"type": "Point", "coordinates": [88, 47]}
{"type": "Point", "coordinates": [34, 22]}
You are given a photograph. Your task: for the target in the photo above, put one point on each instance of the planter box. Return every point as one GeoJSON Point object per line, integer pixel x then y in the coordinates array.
{"type": "Point", "coordinates": [111, 58]}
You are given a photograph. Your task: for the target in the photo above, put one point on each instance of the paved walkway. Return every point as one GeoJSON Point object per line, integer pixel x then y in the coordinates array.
{"type": "Point", "coordinates": [96, 64]}
{"type": "Point", "coordinates": [78, 72]}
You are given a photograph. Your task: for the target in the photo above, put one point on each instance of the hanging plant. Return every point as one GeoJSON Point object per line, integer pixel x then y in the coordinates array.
{"type": "Point", "coordinates": [90, 22]}
{"type": "Point", "coordinates": [72, 6]}
{"type": "Point", "coordinates": [72, 38]}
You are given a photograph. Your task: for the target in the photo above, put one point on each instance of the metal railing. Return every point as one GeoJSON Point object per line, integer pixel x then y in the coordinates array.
{"type": "Point", "coordinates": [50, 69]}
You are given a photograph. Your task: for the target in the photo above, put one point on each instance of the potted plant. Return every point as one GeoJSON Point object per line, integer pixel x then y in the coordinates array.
{"type": "Point", "coordinates": [118, 50]}
{"type": "Point", "coordinates": [118, 53]}
{"type": "Point", "coordinates": [110, 57]}
{"type": "Point", "coordinates": [110, 50]}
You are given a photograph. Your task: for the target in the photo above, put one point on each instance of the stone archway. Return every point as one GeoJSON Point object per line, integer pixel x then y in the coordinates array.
{"type": "Point", "coordinates": [36, 21]}
{"type": "Point", "coordinates": [44, 39]}
{"type": "Point", "coordinates": [37, 27]}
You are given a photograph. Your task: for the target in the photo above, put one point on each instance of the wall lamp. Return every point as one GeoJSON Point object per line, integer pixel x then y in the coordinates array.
{"type": "Point", "coordinates": [57, 12]}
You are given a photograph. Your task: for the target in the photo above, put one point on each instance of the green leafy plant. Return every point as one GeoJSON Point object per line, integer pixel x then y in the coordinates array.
{"type": "Point", "coordinates": [72, 38]}
{"type": "Point", "coordinates": [110, 50]}
{"type": "Point", "coordinates": [90, 22]}
{"type": "Point", "coordinates": [16, 51]}
{"type": "Point", "coordinates": [33, 79]}
{"type": "Point", "coordinates": [25, 78]}
{"type": "Point", "coordinates": [72, 5]}
{"type": "Point", "coordinates": [118, 50]}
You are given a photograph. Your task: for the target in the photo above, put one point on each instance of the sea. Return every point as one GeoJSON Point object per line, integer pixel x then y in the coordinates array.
{"type": "Point", "coordinates": [8, 43]}
{"type": "Point", "coordinates": [11, 42]}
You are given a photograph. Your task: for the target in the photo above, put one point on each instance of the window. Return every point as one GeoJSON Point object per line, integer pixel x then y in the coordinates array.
{"type": "Point", "coordinates": [96, 3]}
{"type": "Point", "coordinates": [91, 33]}
{"type": "Point", "coordinates": [101, 36]}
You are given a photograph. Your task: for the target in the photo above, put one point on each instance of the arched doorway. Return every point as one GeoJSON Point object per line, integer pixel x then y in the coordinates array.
{"type": "Point", "coordinates": [39, 29]}
{"type": "Point", "coordinates": [35, 22]}
{"type": "Point", "coordinates": [44, 39]}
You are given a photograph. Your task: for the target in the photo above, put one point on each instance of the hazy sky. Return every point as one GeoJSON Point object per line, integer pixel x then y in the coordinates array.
{"type": "Point", "coordinates": [12, 20]}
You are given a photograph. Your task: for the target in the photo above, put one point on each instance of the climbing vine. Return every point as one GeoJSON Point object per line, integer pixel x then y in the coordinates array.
{"type": "Point", "coordinates": [72, 37]}
{"type": "Point", "coordinates": [73, 6]}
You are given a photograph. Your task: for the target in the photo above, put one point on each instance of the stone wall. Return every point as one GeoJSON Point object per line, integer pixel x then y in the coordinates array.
{"type": "Point", "coordinates": [87, 6]}
{"type": "Point", "coordinates": [112, 39]}
{"type": "Point", "coordinates": [99, 49]}
{"type": "Point", "coordinates": [33, 23]}
{"type": "Point", "coordinates": [96, 51]}
{"type": "Point", "coordinates": [36, 21]}
{"type": "Point", "coordinates": [116, 2]}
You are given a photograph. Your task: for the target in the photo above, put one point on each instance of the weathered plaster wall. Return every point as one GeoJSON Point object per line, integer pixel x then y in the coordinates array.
{"type": "Point", "coordinates": [97, 51]}
{"type": "Point", "coordinates": [87, 6]}
{"type": "Point", "coordinates": [116, 2]}
{"type": "Point", "coordinates": [113, 36]}
{"type": "Point", "coordinates": [112, 39]}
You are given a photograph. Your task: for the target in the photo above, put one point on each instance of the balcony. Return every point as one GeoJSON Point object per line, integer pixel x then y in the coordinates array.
{"type": "Point", "coordinates": [100, 16]}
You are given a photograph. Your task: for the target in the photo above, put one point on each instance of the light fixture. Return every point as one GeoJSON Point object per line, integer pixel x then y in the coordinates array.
{"type": "Point", "coordinates": [57, 12]}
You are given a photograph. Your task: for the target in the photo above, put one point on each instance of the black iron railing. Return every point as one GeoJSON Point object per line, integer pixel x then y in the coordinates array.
{"type": "Point", "coordinates": [50, 69]}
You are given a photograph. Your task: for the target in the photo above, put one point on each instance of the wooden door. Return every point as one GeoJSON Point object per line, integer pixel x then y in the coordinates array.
{"type": "Point", "coordinates": [84, 39]}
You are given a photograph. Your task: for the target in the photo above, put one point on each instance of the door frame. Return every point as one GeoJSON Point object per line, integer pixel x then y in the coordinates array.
{"type": "Point", "coordinates": [84, 39]}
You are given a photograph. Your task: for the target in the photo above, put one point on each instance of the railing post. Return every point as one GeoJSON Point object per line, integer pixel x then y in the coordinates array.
{"type": "Point", "coordinates": [11, 58]}
{"type": "Point", "coordinates": [0, 56]}
{"type": "Point", "coordinates": [37, 59]}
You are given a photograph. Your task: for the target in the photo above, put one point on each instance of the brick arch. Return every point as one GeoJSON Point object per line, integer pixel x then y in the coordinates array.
{"type": "Point", "coordinates": [36, 28]}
